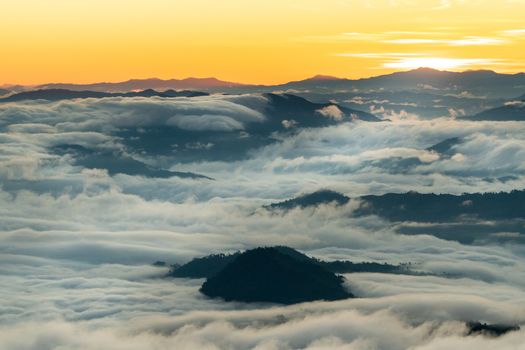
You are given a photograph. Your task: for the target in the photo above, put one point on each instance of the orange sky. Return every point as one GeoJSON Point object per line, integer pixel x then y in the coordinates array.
{"type": "Point", "coordinates": [254, 41]}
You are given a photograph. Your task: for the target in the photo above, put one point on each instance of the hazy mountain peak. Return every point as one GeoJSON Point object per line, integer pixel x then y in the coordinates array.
{"type": "Point", "coordinates": [427, 70]}
{"type": "Point", "coordinates": [323, 77]}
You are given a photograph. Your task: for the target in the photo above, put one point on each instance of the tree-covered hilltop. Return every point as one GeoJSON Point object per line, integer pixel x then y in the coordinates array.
{"type": "Point", "coordinates": [310, 199]}
{"type": "Point", "coordinates": [269, 275]}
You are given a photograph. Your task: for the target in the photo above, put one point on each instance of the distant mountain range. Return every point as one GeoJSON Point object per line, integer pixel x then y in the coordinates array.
{"type": "Point", "coordinates": [64, 94]}
{"type": "Point", "coordinates": [481, 82]}
{"type": "Point", "coordinates": [143, 84]}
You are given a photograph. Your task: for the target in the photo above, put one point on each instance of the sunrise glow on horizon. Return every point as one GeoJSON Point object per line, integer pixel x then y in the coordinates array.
{"type": "Point", "coordinates": [251, 41]}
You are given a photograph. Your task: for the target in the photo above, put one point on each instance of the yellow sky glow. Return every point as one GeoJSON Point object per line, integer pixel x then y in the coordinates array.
{"type": "Point", "coordinates": [254, 41]}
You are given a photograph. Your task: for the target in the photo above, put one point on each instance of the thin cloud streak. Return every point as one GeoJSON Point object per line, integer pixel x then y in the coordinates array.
{"type": "Point", "coordinates": [514, 32]}
{"type": "Point", "coordinates": [381, 55]}
{"type": "Point", "coordinates": [466, 41]}
{"type": "Point", "coordinates": [440, 63]}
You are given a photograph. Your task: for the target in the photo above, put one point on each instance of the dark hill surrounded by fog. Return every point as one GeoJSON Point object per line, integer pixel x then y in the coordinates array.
{"type": "Point", "coordinates": [276, 274]}
{"type": "Point", "coordinates": [491, 330]}
{"type": "Point", "coordinates": [269, 275]}
{"type": "Point", "coordinates": [420, 207]}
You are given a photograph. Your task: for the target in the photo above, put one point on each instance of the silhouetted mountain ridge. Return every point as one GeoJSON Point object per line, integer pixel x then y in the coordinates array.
{"type": "Point", "coordinates": [511, 111]}
{"type": "Point", "coordinates": [64, 94]}
{"type": "Point", "coordinates": [142, 84]}
{"type": "Point", "coordinates": [481, 82]}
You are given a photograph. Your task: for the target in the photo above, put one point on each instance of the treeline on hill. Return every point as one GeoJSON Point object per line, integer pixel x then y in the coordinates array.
{"type": "Point", "coordinates": [210, 265]}
{"type": "Point", "coordinates": [415, 206]}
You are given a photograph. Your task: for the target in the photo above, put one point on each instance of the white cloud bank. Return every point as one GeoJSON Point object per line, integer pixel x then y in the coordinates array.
{"type": "Point", "coordinates": [76, 244]}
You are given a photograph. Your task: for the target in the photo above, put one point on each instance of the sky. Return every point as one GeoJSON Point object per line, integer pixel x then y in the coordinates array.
{"type": "Point", "coordinates": [255, 41]}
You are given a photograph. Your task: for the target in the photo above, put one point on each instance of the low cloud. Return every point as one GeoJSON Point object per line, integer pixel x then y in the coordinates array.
{"type": "Point", "coordinates": [332, 112]}
{"type": "Point", "coordinates": [205, 122]}
{"type": "Point", "coordinates": [82, 240]}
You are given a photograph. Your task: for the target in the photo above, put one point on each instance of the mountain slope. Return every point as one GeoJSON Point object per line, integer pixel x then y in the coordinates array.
{"type": "Point", "coordinates": [308, 114]}
{"type": "Point", "coordinates": [512, 111]}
